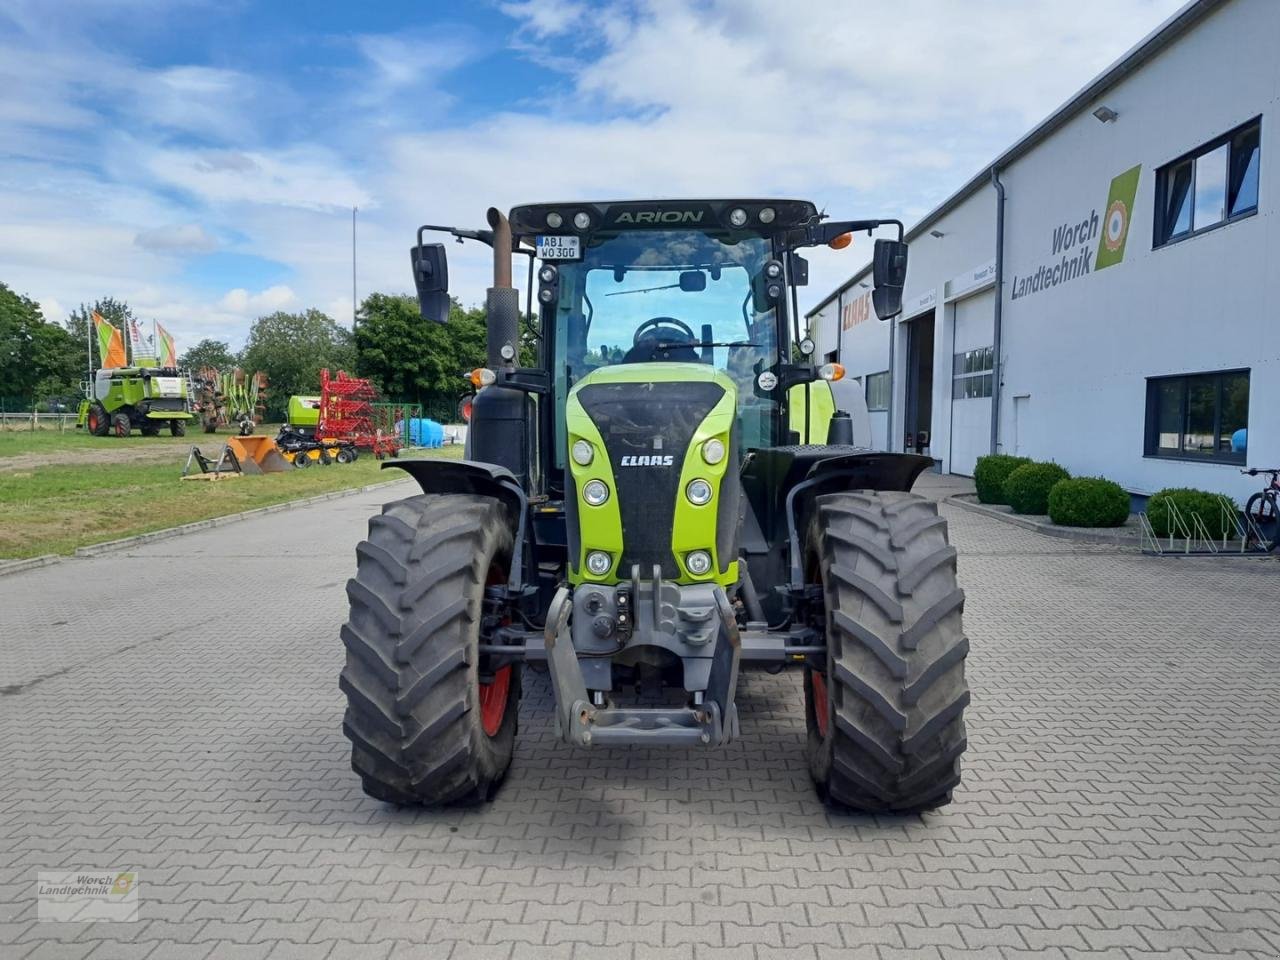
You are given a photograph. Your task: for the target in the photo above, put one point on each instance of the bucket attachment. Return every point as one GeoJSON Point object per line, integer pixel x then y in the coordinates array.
{"type": "Point", "coordinates": [258, 454]}
{"type": "Point", "coordinates": [225, 467]}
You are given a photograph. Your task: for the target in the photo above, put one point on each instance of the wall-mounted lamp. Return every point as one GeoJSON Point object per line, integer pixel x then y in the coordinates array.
{"type": "Point", "coordinates": [937, 234]}
{"type": "Point", "coordinates": [1105, 114]}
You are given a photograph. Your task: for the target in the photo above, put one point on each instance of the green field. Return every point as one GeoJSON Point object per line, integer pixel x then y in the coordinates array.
{"type": "Point", "coordinates": [56, 507]}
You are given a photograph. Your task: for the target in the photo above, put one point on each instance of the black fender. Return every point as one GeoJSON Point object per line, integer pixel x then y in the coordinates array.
{"type": "Point", "coordinates": [481, 479]}
{"type": "Point", "coordinates": [858, 471]}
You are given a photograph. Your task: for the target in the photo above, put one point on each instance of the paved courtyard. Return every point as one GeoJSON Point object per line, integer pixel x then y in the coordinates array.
{"type": "Point", "coordinates": [174, 710]}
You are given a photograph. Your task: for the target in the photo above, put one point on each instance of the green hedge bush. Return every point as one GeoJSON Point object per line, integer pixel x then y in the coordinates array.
{"type": "Point", "coordinates": [1088, 502]}
{"type": "Point", "coordinates": [1202, 503]}
{"type": "Point", "coordinates": [991, 473]}
{"type": "Point", "coordinates": [1027, 488]}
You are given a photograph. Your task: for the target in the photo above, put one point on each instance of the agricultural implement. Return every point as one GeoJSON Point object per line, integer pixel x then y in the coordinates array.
{"type": "Point", "coordinates": [670, 495]}
{"type": "Point", "coordinates": [230, 397]}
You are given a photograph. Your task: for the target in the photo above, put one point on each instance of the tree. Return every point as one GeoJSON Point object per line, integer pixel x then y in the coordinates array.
{"type": "Point", "coordinates": [413, 360]}
{"type": "Point", "coordinates": [291, 349]}
{"type": "Point", "coordinates": [208, 353]}
{"type": "Point", "coordinates": [39, 360]}
{"type": "Point", "coordinates": [116, 312]}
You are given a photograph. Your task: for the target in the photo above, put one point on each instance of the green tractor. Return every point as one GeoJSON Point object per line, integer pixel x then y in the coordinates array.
{"type": "Point", "coordinates": [675, 491]}
{"type": "Point", "coordinates": [149, 398]}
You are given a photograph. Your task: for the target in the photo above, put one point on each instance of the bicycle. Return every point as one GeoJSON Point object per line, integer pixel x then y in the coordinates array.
{"type": "Point", "coordinates": [1263, 508]}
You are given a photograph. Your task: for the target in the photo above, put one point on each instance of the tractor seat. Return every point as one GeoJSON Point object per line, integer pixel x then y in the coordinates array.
{"type": "Point", "coordinates": [648, 350]}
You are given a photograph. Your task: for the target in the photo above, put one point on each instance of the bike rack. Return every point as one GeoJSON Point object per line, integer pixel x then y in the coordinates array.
{"type": "Point", "coordinates": [1188, 536]}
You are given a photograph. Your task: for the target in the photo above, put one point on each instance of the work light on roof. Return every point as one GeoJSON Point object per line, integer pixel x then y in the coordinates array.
{"type": "Point", "coordinates": [581, 220]}
{"type": "Point", "coordinates": [767, 214]}
{"type": "Point", "coordinates": [554, 220]}
{"type": "Point", "coordinates": [738, 217]}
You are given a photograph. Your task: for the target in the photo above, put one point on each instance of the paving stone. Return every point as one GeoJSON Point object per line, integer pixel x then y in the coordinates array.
{"type": "Point", "coordinates": [1121, 793]}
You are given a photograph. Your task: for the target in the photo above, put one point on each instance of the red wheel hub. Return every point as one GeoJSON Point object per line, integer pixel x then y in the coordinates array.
{"type": "Point", "coordinates": [493, 700]}
{"type": "Point", "coordinates": [493, 695]}
{"type": "Point", "coordinates": [821, 706]}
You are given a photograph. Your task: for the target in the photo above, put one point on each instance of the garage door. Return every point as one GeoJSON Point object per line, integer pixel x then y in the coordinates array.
{"type": "Point", "coordinates": [971, 381]}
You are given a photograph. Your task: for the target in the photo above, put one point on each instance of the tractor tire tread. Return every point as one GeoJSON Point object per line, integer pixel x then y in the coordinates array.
{"type": "Point", "coordinates": [410, 677]}
{"type": "Point", "coordinates": [896, 653]}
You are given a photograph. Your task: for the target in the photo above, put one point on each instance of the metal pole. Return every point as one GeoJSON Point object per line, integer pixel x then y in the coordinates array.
{"type": "Point", "coordinates": [997, 319]}
{"type": "Point", "coordinates": [353, 269]}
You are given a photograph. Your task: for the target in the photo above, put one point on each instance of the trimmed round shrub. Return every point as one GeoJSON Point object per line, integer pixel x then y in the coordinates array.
{"type": "Point", "coordinates": [1027, 489]}
{"type": "Point", "coordinates": [991, 473]}
{"type": "Point", "coordinates": [1088, 502]}
{"type": "Point", "coordinates": [1207, 506]}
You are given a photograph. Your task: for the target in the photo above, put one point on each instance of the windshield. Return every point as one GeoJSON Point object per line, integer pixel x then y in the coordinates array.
{"type": "Point", "coordinates": [669, 295]}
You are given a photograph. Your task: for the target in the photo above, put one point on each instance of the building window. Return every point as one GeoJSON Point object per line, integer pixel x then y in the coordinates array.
{"type": "Point", "coordinates": [971, 374]}
{"type": "Point", "coordinates": [1203, 416]}
{"type": "Point", "coordinates": [878, 391]}
{"type": "Point", "coordinates": [1210, 186]}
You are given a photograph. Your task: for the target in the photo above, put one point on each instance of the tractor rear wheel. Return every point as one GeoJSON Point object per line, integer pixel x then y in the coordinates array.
{"type": "Point", "coordinates": [177, 428]}
{"type": "Point", "coordinates": [886, 716]}
{"type": "Point", "coordinates": [430, 720]}
{"type": "Point", "coordinates": [121, 425]}
{"type": "Point", "coordinates": [97, 420]}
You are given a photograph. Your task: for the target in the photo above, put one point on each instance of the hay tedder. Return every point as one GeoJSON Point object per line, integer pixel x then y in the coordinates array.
{"type": "Point", "coordinates": [230, 397]}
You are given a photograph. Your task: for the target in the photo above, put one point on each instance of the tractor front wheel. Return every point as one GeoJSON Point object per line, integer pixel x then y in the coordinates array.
{"type": "Point", "coordinates": [121, 425]}
{"type": "Point", "coordinates": [177, 428]}
{"type": "Point", "coordinates": [885, 712]}
{"type": "Point", "coordinates": [97, 421]}
{"type": "Point", "coordinates": [431, 721]}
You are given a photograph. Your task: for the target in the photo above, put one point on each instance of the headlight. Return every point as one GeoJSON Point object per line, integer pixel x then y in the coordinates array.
{"type": "Point", "coordinates": [598, 563]}
{"type": "Point", "coordinates": [698, 563]}
{"type": "Point", "coordinates": [698, 492]}
{"type": "Point", "coordinates": [595, 492]}
{"type": "Point", "coordinates": [767, 214]}
{"type": "Point", "coordinates": [713, 451]}
{"type": "Point", "coordinates": [547, 273]}
{"type": "Point", "coordinates": [581, 220]}
{"type": "Point", "coordinates": [554, 220]}
{"type": "Point", "coordinates": [582, 453]}
{"type": "Point", "coordinates": [738, 216]}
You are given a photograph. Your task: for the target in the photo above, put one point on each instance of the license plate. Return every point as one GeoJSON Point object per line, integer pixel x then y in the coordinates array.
{"type": "Point", "coordinates": [558, 248]}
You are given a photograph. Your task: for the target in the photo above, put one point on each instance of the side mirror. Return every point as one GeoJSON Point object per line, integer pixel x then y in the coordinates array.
{"type": "Point", "coordinates": [693, 281]}
{"type": "Point", "coordinates": [431, 277]}
{"type": "Point", "coordinates": [889, 274]}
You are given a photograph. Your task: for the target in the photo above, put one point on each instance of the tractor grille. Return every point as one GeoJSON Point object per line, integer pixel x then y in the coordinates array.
{"type": "Point", "coordinates": [653, 420]}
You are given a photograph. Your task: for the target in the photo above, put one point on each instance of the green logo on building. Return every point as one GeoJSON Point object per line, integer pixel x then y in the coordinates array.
{"type": "Point", "coordinates": [1115, 228]}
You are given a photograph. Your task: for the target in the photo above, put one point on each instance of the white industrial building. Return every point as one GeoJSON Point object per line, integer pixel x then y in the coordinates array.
{"type": "Point", "coordinates": [1120, 317]}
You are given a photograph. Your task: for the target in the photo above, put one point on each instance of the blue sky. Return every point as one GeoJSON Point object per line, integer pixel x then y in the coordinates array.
{"type": "Point", "coordinates": [200, 159]}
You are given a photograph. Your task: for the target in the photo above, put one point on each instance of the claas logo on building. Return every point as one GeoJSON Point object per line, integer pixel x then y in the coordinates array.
{"type": "Point", "coordinates": [856, 311]}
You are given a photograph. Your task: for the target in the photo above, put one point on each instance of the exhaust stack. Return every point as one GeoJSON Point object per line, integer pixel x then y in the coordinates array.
{"type": "Point", "coordinates": [502, 300]}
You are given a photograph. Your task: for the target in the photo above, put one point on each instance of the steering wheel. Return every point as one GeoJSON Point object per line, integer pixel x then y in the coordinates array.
{"type": "Point", "coordinates": [656, 324]}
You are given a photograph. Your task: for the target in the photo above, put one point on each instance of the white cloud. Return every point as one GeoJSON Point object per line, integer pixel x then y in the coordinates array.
{"type": "Point", "coordinates": [241, 301]}
{"type": "Point", "coordinates": [177, 238]}
{"type": "Point", "coordinates": [305, 176]}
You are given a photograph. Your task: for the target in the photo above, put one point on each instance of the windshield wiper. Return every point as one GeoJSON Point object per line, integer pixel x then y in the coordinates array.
{"type": "Point", "coordinates": [620, 293]}
{"type": "Point", "coordinates": [669, 344]}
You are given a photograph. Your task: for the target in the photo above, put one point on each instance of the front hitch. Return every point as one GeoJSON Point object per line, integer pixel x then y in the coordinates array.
{"type": "Point", "coordinates": [712, 722]}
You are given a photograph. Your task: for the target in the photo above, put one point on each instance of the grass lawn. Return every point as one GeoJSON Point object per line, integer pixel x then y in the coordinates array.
{"type": "Point", "coordinates": [56, 508]}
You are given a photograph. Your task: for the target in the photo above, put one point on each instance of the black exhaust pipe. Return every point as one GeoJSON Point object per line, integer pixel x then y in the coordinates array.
{"type": "Point", "coordinates": [502, 300]}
